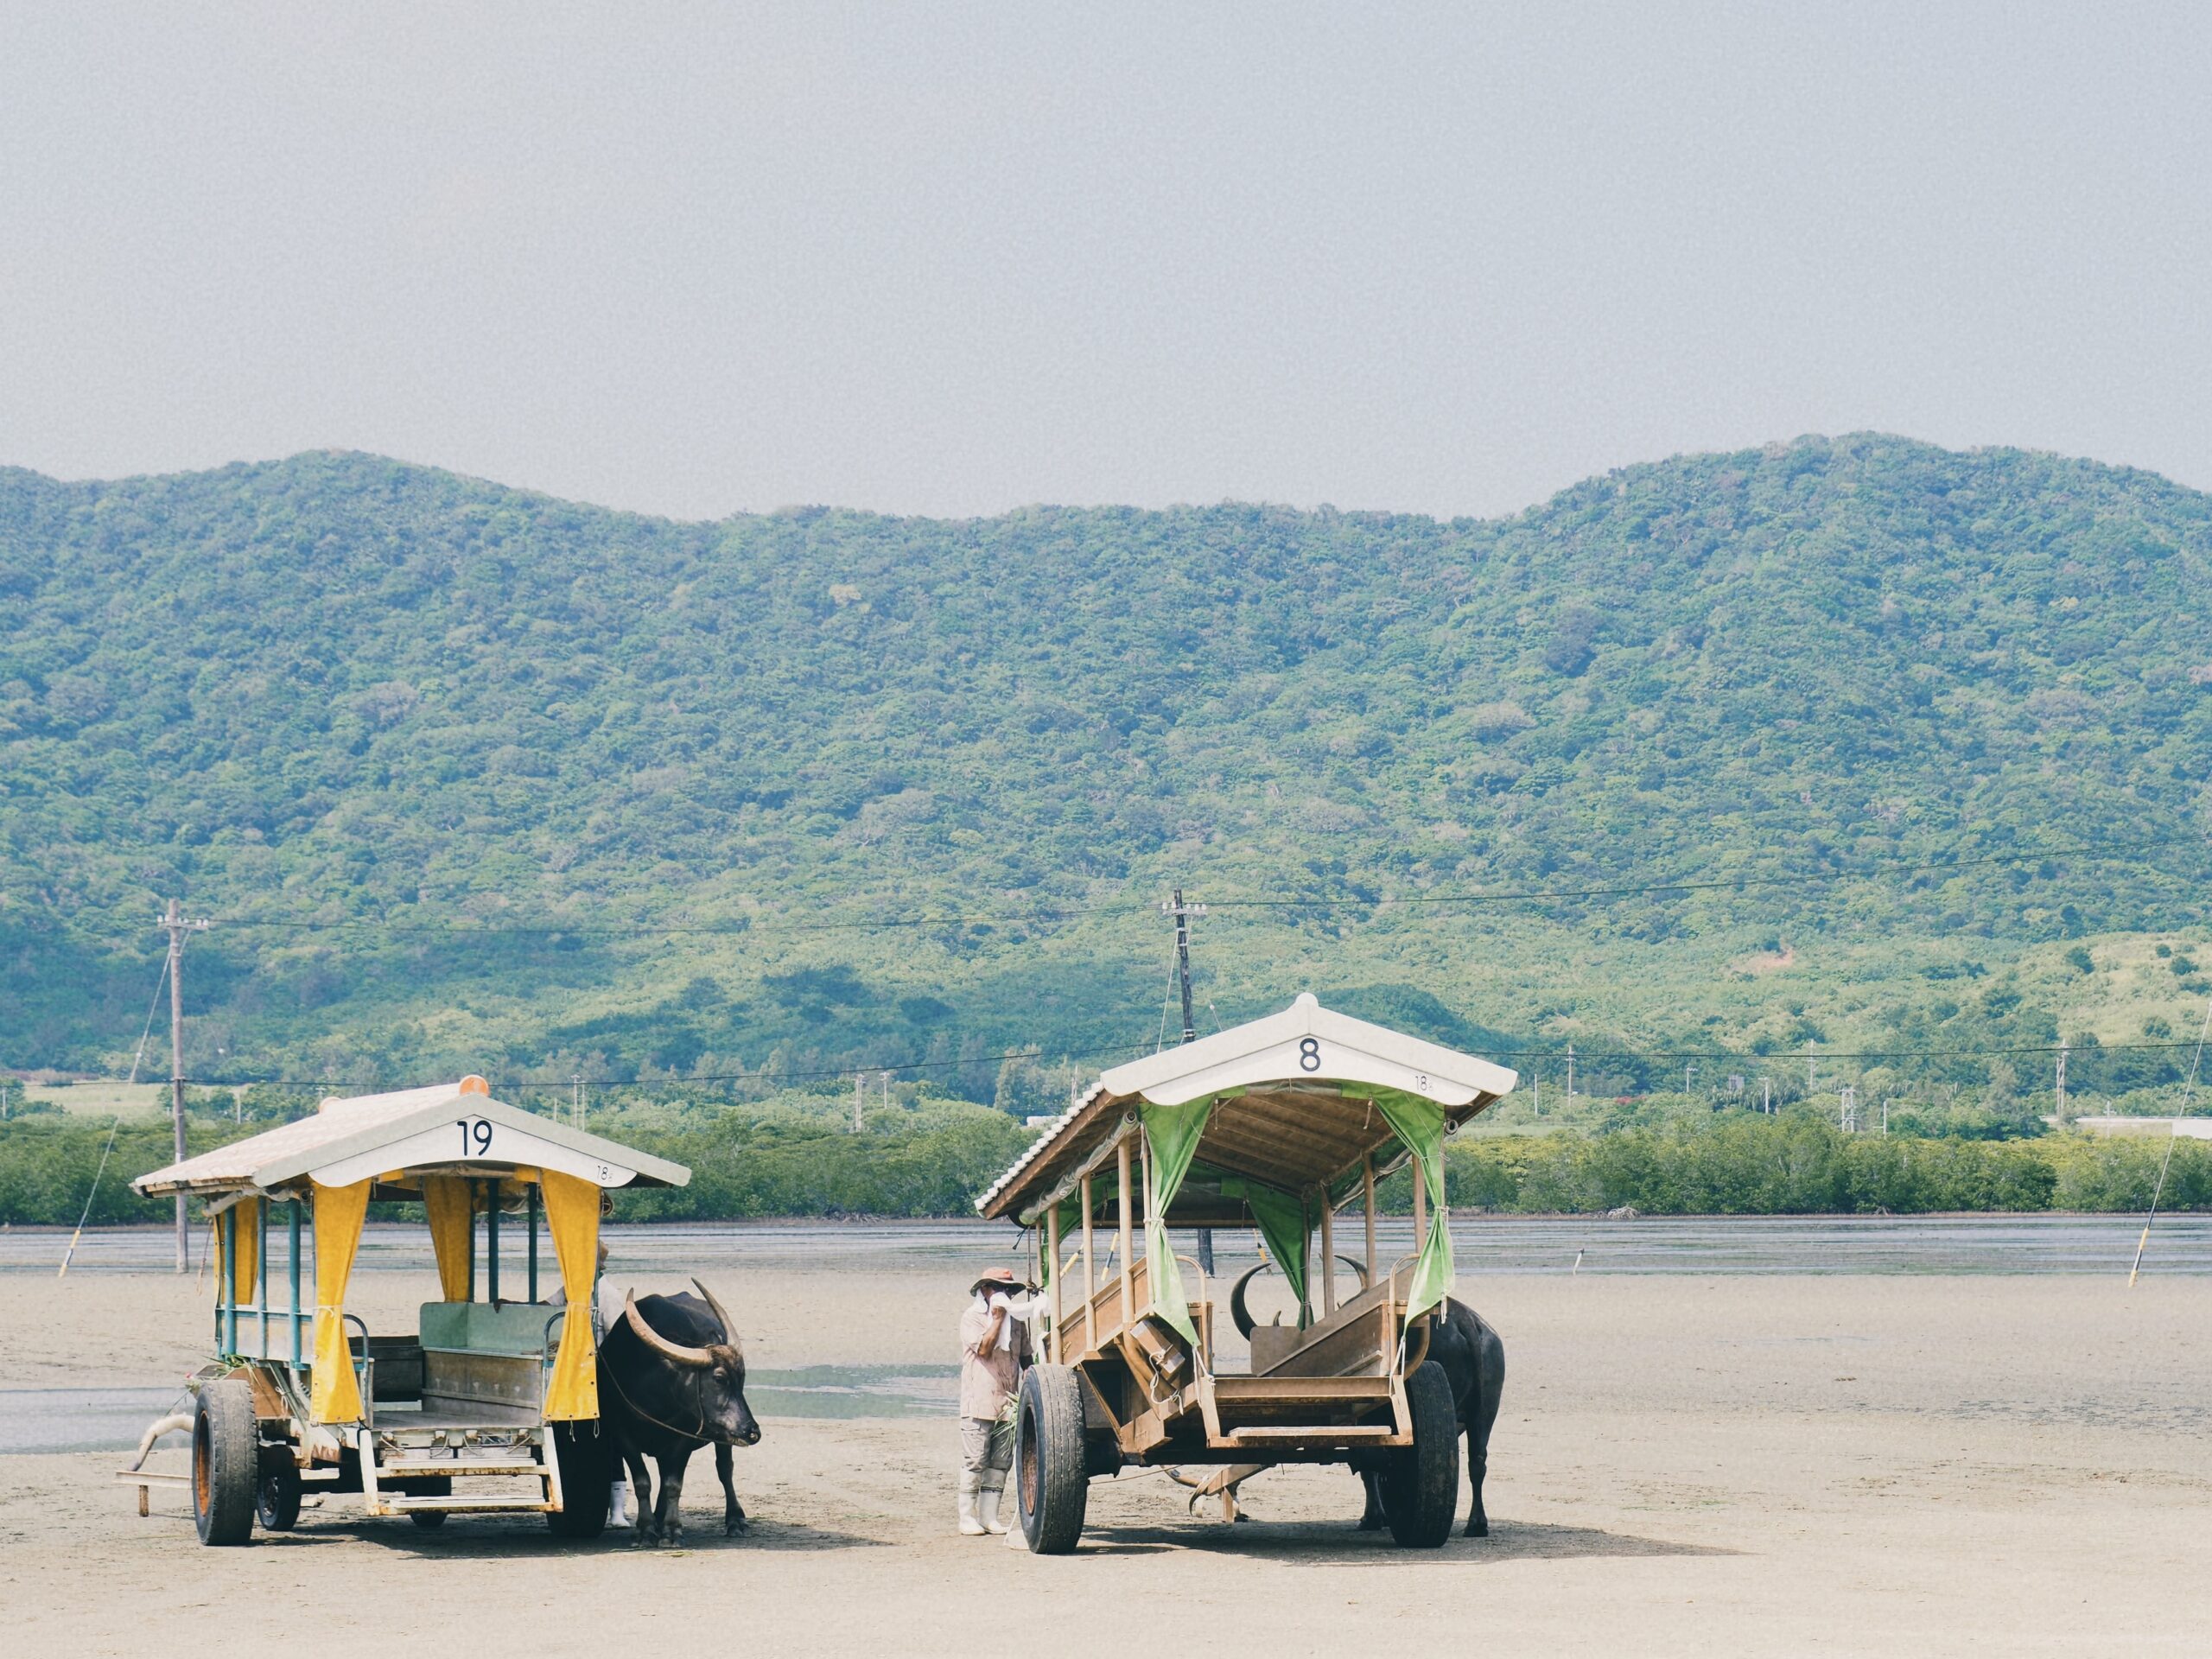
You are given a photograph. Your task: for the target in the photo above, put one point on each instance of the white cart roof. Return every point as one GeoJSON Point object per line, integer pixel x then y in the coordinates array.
{"type": "Point", "coordinates": [454, 1128]}
{"type": "Point", "coordinates": [1293, 1115]}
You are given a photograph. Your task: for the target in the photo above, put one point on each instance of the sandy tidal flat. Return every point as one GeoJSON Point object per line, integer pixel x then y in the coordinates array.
{"type": "Point", "coordinates": [1734, 1465]}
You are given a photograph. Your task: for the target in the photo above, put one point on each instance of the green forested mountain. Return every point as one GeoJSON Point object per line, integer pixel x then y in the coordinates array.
{"type": "Point", "coordinates": [476, 779]}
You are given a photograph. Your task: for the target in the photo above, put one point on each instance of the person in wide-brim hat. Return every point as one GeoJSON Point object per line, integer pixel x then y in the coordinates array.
{"type": "Point", "coordinates": [994, 1347]}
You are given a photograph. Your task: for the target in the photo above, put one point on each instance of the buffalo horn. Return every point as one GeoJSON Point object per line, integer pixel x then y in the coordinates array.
{"type": "Point", "coordinates": [695, 1358]}
{"type": "Point", "coordinates": [175, 1423]}
{"type": "Point", "coordinates": [1237, 1311]}
{"type": "Point", "coordinates": [729, 1325]}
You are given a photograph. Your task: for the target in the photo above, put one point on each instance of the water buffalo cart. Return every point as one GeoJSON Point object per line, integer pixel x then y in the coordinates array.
{"type": "Point", "coordinates": [1278, 1125]}
{"type": "Point", "coordinates": [490, 1405]}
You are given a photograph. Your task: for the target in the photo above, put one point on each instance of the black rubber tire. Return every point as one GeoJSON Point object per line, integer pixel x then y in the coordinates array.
{"type": "Point", "coordinates": [585, 1476]}
{"type": "Point", "coordinates": [1051, 1483]}
{"type": "Point", "coordinates": [276, 1495]}
{"type": "Point", "coordinates": [1421, 1484]}
{"type": "Point", "coordinates": [427, 1486]}
{"type": "Point", "coordinates": [225, 1462]}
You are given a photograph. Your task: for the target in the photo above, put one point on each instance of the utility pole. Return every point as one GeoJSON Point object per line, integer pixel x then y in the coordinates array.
{"type": "Point", "coordinates": [1809, 1066]}
{"type": "Point", "coordinates": [1182, 913]}
{"type": "Point", "coordinates": [860, 1096]}
{"type": "Point", "coordinates": [1570, 1079]}
{"type": "Point", "coordinates": [1766, 1095]}
{"type": "Point", "coordinates": [174, 924]}
{"type": "Point", "coordinates": [577, 1100]}
{"type": "Point", "coordinates": [1847, 1109]}
{"type": "Point", "coordinates": [2061, 1087]}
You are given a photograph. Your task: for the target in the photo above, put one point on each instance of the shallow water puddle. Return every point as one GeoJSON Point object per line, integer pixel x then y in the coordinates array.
{"type": "Point", "coordinates": [79, 1420]}
{"type": "Point", "coordinates": [111, 1420]}
{"type": "Point", "coordinates": [854, 1391]}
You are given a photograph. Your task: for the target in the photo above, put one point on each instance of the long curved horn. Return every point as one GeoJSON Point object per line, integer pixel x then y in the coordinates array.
{"type": "Point", "coordinates": [1414, 1359]}
{"type": "Point", "coordinates": [694, 1358]}
{"type": "Point", "coordinates": [1237, 1311]}
{"type": "Point", "coordinates": [729, 1325]}
{"type": "Point", "coordinates": [1359, 1269]}
{"type": "Point", "coordinates": [174, 1424]}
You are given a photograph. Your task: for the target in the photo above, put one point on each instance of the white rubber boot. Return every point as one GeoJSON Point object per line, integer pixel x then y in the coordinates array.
{"type": "Point", "coordinates": [994, 1486]}
{"type": "Point", "coordinates": [618, 1504]}
{"type": "Point", "coordinates": [970, 1482]}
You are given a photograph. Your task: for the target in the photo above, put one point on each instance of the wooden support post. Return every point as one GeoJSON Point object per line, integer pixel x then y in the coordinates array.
{"type": "Point", "coordinates": [1089, 1275]}
{"type": "Point", "coordinates": [1059, 1347]}
{"type": "Point", "coordinates": [531, 1201]}
{"type": "Point", "coordinates": [1328, 1254]}
{"type": "Point", "coordinates": [1367, 1188]}
{"type": "Point", "coordinates": [1127, 1241]}
{"type": "Point", "coordinates": [1305, 1238]}
{"type": "Point", "coordinates": [472, 1186]}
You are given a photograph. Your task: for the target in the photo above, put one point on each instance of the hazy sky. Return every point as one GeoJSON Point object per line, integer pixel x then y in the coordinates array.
{"type": "Point", "coordinates": [951, 260]}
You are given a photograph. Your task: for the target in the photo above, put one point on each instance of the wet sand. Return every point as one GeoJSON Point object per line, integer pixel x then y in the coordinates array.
{"type": "Point", "coordinates": [1922, 1465]}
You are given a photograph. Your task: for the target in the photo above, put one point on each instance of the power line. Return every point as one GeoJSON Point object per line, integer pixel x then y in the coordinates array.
{"type": "Point", "coordinates": [1804, 879]}
{"type": "Point", "coordinates": [740, 925]}
{"type": "Point", "coordinates": [838, 1072]}
{"type": "Point", "coordinates": [1582, 1057]}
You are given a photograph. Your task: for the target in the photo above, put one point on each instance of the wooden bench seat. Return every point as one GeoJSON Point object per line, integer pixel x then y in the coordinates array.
{"type": "Point", "coordinates": [1358, 1340]}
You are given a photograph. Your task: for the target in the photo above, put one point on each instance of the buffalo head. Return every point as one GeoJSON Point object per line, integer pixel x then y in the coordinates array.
{"type": "Point", "coordinates": [705, 1381]}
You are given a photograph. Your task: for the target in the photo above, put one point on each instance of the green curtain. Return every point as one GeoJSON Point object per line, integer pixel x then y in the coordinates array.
{"type": "Point", "coordinates": [1172, 1135]}
{"type": "Point", "coordinates": [1286, 1222]}
{"type": "Point", "coordinates": [1419, 1124]}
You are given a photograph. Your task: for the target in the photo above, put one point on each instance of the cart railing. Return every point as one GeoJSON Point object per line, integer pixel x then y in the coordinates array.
{"type": "Point", "coordinates": [364, 1369]}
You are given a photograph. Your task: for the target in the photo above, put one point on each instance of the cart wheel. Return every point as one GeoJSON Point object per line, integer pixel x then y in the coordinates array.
{"type": "Point", "coordinates": [225, 1462]}
{"type": "Point", "coordinates": [1051, 1482]}
{"type": "Point", "coordinates": [1421, 1484]}
{"type": "Point", "coordinates": [584, 1481]}
{"type": "Point", "coordinates": [276, 1496]}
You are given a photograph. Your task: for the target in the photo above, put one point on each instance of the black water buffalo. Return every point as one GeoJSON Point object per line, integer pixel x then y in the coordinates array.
{"type": "Point", "coordinates": [672, 1379]}
{"type": "Point", "coordinates": [1473, 1358]}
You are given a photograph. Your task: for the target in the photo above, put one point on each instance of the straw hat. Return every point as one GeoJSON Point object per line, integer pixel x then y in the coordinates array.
{"type": "Point", "coordinates": [999, 1279]}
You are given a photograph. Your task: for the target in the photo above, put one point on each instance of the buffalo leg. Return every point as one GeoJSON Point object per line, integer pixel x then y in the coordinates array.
{"type": "Point", "coordinates": [642, 1524]}
{"type": "Point", "coordinates": [1372, 1519]}
{"type": "Point", "coordinates": [733, 1511]}
{"type": "Point", "coordinates": [1478, 1466]}
{"type": "Point", "coordinates": [671, 1497]}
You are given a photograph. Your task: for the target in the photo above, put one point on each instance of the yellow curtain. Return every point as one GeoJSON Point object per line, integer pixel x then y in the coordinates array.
{"type": "Point", "coordinates": [572, 1216]}
{"type": "Point", "coordinates": [244, 1219]}
{"type": "Point", "coordinates": [338, 1212]}
{"type": "Point", "coordinates": [452, 1232]}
